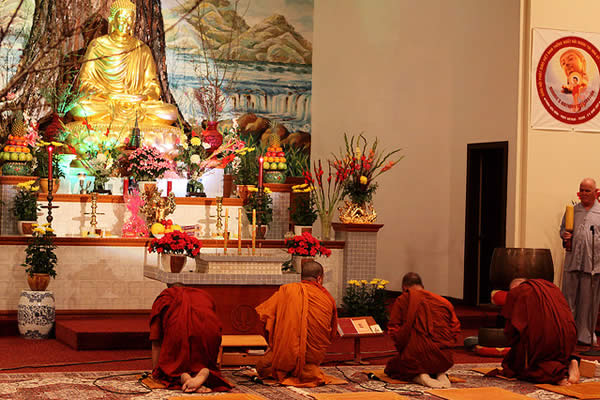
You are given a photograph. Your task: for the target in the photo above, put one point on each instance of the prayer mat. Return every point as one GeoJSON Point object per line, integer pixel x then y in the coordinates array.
{"type": "Point", "coordinates": [332, 380]}
{"type": "Point", "coordinates": [588, 390]}
{"type": "Point", "coordinates": [226, 396]}
{"type": "Point", "coordinates": [487, 393]}
{"type": "Point", "coordinates": [151, 383]}
{"type": "Point", "coordinates": [486, 370]}
{"type": "Point", "coordinates": [358, 396]}
{"type": "Point", "coordinates": [380, 374]}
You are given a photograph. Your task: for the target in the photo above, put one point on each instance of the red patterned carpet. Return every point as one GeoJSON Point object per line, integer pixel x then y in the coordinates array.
{"type": "Point", "coordinates": [85, 385]}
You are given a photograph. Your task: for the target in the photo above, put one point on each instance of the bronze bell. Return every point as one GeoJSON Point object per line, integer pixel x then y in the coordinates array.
{"type": "Point", "coordinates": [510, 263]}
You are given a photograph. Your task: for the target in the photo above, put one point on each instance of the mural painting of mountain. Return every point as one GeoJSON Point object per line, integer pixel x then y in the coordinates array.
{"type": "Point", "coordinates": [260, 52]}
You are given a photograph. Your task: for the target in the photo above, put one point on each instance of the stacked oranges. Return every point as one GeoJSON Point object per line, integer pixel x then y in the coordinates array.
{"type": "Point", "coordinates": [16, 149]}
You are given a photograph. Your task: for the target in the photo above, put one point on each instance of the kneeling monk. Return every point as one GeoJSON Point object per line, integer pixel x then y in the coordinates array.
{"type": "Point", "coordinates": [541, 332]}
{"type": "Point", "coordinates": [423, 326]}
{"type": "Point", "coordinates": [186, 335]}
{"type": "Point", "coordinates": [300, 322]}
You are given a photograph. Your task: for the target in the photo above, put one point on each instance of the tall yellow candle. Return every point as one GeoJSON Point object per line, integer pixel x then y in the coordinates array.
{"type": "Point", "coordinates": [239, 231]}
{"type": "Point", "coordinates": [569, 215]}
{"type": "Point", "coordinates": [253, 231]}
{"type": "Point", "coordinates": [226, 232]}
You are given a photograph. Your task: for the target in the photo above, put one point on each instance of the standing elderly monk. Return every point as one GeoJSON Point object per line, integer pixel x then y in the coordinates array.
{"type": "Point", "coordinates": [541, 333]}
{"type": "Point", "coordinates": [300, 322]}
{"type": "Point", "coordinates": [581, 262]}
{"type": "Point", "coordinates": [423, 326]}
{"type": "Point", "coordinates": [186, 335]}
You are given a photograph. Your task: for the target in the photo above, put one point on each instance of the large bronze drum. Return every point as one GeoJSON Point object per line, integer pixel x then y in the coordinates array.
{"type": "Point", "coordinates": [510, 263]}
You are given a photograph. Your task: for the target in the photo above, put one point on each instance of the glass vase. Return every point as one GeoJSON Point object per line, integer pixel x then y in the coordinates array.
{"type": "Point", "coordinates": [325, 226]}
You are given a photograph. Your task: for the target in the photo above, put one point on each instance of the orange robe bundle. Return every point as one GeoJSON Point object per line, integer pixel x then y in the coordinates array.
{"type": "Point", "coordinates": [183, 319]}
{"type": "Point", "coordinates": [300, 322]}
{"type": "Point", "coordinates": [424, 327]}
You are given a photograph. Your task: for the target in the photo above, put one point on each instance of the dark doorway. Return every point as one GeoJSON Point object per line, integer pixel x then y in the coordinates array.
{"type": "Point", "coordinates": [485, 221]}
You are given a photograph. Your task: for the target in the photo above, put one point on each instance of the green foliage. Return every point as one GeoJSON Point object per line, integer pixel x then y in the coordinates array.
{"type": "Point", "coordinates": [245, 166]}
{"type": "Point", "coordinates": [263, 204]}
{"type": "Point", "coordinates": [303, 210]}
{"type": "Point", "coordinates": [41, 164]}
{"type": "Point", "coordinates": [363, 298]}
{"type": "Point", "coordinates": [40, 257]}
{"type": "Point", "coordinates": [26, 206]}
{"type": "Point", "coordinates": [297, 158]}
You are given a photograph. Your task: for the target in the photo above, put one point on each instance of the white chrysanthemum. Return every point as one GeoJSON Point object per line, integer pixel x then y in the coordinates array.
{"type": "Point", "coordinates": [195, 158]}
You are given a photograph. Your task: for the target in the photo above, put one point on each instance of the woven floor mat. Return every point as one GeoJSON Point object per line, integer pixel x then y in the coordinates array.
{"type": "Point", "coordinates": [487, 393]}
{"type": "Point", "coordinates": [588, 390]}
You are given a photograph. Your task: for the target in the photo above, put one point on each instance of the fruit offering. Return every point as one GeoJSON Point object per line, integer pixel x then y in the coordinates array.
{"type": "Point", "coordinates": [16, 149]}
{"type": "Point", "coordinates": [158, 229]}
{"type": "Point", "coordinates": [274, 159]}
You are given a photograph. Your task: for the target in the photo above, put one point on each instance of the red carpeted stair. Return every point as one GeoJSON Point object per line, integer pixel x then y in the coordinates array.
{"type": "Point", "coordinates": [104, 333]}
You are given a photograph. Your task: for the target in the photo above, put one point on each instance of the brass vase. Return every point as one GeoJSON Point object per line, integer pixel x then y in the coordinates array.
{"type": "Point", "coordinates": [353, 213]}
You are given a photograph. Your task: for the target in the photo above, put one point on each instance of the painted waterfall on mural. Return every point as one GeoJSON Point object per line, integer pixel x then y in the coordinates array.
{"type": "Point", "coordinates": [265, 47]}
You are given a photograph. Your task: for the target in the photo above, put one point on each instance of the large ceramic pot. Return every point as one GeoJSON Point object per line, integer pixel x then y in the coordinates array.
{"type": "Point", "coordinates": [25, 228]}
{"type": "Point", "coordinates": [36, 314]}
{"type": "Point", "coordinates": [299, 261]}
{"type": "Point", "coordinates": [212, 136]}
{"type": "Point", "coordinates": [44, 185]}
{"type": "Point", "coordinates": [173, 262]}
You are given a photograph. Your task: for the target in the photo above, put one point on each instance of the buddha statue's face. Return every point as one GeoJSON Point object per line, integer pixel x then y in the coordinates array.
{"type": "Point", "coordinates": [122, 22]}
{"type": "Point", "coordinates": [572, 61]}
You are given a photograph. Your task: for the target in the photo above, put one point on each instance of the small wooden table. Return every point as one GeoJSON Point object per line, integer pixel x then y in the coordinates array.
{"type": "Point", "coordinates": [357, 328]}
{"type": "Point", "coordinates": [238, 349]}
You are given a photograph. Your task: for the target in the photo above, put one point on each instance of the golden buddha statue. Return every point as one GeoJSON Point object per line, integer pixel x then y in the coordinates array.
{"type": "Point", "coordinates": [119, 79]}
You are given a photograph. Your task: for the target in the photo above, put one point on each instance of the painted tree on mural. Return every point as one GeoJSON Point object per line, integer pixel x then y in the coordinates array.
{"type": "Point", "coordinates": [60, 32]}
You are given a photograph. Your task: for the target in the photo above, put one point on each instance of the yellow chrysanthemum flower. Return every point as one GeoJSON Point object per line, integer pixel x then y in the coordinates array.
{"type": "Point", "coordinates": [49, 230]}
{"type": "Point", "coordinates": [364, 281]}
{"type": "Point", "coordinates": [384, 282]}
{"type": "Point", "coordinates": [39, 230]}
{"type": "Point", "coordinates": [195, 141]}
{"type": "Point", "coordinates": [380, 287]}
{"type": "Point", "coordinates": [363, 180]}
{"type": "Point", "coordinates": [35, 188]}
{"type": "Point", "coordinates": [34, 225]}
{"type": "Point", "coordinates": [267, 190]}
{"type": "Point", "coordinates": [351, 282]}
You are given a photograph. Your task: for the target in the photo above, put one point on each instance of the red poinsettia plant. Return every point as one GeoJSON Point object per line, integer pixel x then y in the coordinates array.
{"type": "Point", "coordinates": [176, 243]}
{"type": "Point", "coordinates": [306, 245]}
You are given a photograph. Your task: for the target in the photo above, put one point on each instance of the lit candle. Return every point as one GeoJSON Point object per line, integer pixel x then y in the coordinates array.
{"type": "Point", "coordinates": [239, 231]}
{"type": "Point", "coordinates": [226, 232]}
{"type": "Point", "coordinates": [260, 171]}
{"type": "Point", "coordinates": [125, 186]}
{"type": "Point", "coordinates": [253, 231]}
{"type": "Point", "coordinates": [50, 150]}
{"type": "Point", "coordinates": [569, 215]}
{"type": "Point", "coordinates": [169, 187]}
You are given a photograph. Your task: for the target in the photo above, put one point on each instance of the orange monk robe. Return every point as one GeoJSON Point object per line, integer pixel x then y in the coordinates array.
{"type": "Point", "coordinates": [424, 327]}
{"type": "Point", "coordinates": [185, 322]}
{"type": "Point", "coordinates": [300, 322]}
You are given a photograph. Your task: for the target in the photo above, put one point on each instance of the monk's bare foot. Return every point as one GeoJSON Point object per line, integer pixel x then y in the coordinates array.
{"type": "Point", "coordinates": [189, 384]}
{"type": "Point", "coordinates": [574, 372]}
{"type": "Point", "coordinates": [563, 382]}
{"type": "Point", "coordinates": [426, 380]}
{"type": "Point", "coordinates": [443, 379]}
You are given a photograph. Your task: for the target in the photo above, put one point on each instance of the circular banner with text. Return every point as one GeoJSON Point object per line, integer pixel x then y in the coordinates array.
{"type": "Point", "coordinates": [568, 80]}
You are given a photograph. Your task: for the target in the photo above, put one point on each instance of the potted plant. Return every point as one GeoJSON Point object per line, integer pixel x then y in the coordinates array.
{"type": "Point", "coordinates": [298, 161]}
{"type": "Point", "coordinates": [40, 260]}
{"type": "Point", "coordinates": [26, 207]}
{"type": "Point", "coordinates": [40, 155]}
{"type": "Point", "coordinates": [302, 212]}
{"type": "Point", "coordinates": [366, 298]}
{"type": "Point", "coordinates": [174, 248]}
{"type": "Point", "coordinates": [260, 200]}
{"type": "Point", "coordinates": [304, 248]}
{"type": "Point", "coordinates": [244, 168]}
{"type": "Point", "coordinates": [190, 157]}
{"type": "Point", "coordinates": [146, 164]}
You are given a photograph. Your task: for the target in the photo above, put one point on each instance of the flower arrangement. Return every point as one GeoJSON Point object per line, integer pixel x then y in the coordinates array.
{"type": "Point", "coordinates": [306, 245]}
{"type": "Point", "coordinates": [147, 164]}
{"type": "Point", "coordinates": [176, 242]}
{"type": "Point", "coordinates": [364, 298]}
{"type": "Point", "coordinates": [191, 153]}
{"type": "Point", "coordinates": [100, 159]}
{"type": "Point", "coordinates": [211, 100]}
{"type": "Point", "coordinates": [40, 257]}
{"type": "Point", "coordinates": [26, 206]}
{"type": "Point", "coordinates": [326, 192]}
{"type": "Point", "coordinates": [40, 156]}
{"type": "Point", "coordinates": [261, 202]}
{"type": "Point", "coordinates": [303, 206]}
{"type": "Point", "coordinates": [359, 165]}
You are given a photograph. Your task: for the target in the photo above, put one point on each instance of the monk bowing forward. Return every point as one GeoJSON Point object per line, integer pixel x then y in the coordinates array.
{"type": "Point", "coordinates": [424, 327]}
{"type": "Point", "coordinates": [186, 335]}
{"type": "Point", "coordinates": [541, 332]}
{"type": "Point", "coordinates": [300, 322]}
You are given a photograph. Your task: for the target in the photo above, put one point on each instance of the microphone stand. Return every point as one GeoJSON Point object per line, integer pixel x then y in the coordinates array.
{"type": "Point", "coordinates": [593, 318]}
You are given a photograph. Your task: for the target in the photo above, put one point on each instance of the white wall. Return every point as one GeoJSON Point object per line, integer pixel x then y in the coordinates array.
{"type": "Point", "coordinates": [429, 76]}
{"type": "Point", "coordinates": [556, 161]}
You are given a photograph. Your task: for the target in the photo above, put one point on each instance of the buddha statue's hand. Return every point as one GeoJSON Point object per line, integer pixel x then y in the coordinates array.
{"type": "Point", "coordinates": [127, 98]}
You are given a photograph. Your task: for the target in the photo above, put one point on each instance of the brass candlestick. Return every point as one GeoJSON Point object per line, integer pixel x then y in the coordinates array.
{"type": "Point", "coordinates": [94, 213]}
{"type": "Point", "coordinates": [219, 225]}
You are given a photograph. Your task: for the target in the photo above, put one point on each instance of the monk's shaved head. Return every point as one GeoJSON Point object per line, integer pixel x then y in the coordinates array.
{"type": "Point", "coordinates": [516, 282]}
{"type": "Point", "coordinates": [312, 270]}
{"type": "Point", "coordinates": [411, 279]}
